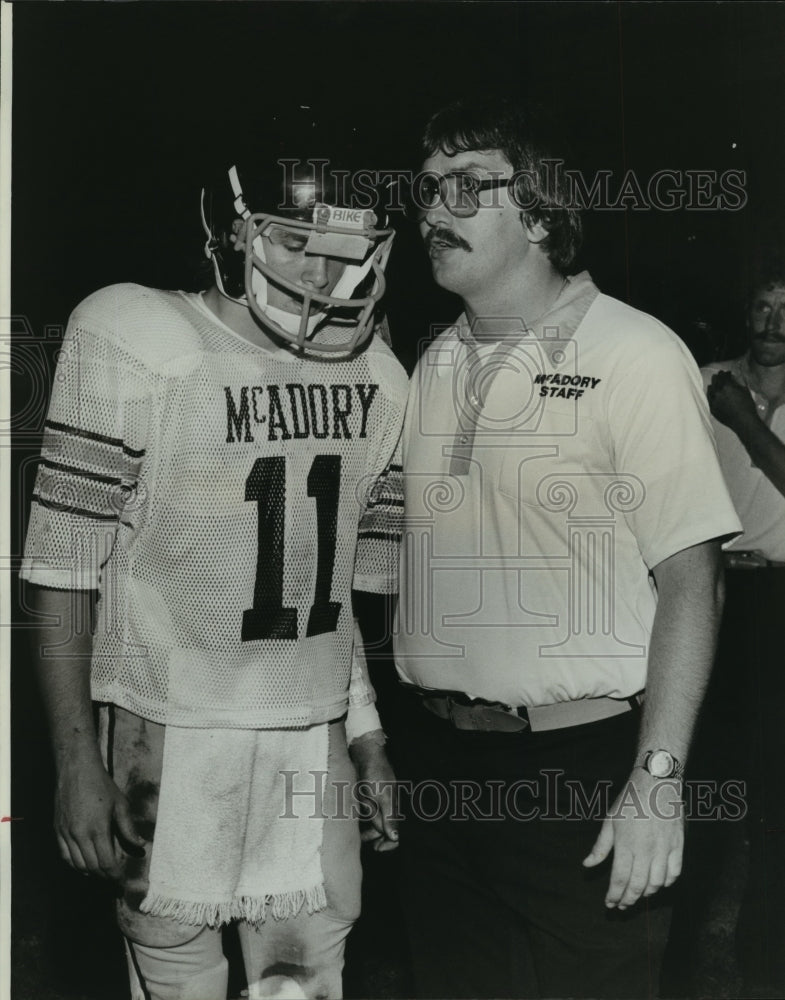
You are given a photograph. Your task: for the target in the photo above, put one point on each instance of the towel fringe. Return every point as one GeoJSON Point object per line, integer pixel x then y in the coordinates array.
{"type": "Point", "coordinates": [252, 909]}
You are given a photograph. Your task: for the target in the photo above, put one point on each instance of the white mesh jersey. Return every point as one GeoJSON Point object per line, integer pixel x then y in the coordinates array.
{"type": "Point", "coordinates": [214, 492]}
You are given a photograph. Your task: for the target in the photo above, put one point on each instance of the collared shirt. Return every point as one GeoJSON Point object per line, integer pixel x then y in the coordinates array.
{"type": "Point", "coordinates": [545, 475]}
{"type": "Point", "coordinates": [759, 503]}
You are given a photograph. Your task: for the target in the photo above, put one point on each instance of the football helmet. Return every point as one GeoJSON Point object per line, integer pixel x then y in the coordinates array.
{"type": "Point", "coordinates": [245, 206]}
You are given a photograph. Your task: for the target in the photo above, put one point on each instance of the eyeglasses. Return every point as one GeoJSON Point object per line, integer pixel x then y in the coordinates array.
{"type": "Point", "coordinates": [458, 192]}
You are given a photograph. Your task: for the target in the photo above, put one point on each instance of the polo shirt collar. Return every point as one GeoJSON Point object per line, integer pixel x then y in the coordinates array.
{"type": "Point", "coordinates": [566, 314]}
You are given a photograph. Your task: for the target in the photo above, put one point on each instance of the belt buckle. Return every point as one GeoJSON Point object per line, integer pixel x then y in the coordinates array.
{"type": "Point", "coordinates": [481, 715]}
{"type": "Point", "coordinates": [745, 559]}
{"type": "Point", "coordinates": [522, 712]}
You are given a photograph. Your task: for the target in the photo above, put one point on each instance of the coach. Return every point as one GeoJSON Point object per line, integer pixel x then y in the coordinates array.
{"type": "Point", "coordinates": [561, 569]}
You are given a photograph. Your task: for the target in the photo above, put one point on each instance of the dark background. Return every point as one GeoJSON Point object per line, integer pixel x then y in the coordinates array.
{"type": "Point", "coordinates": [116, 110]}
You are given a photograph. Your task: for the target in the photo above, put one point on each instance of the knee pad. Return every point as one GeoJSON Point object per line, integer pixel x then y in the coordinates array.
{"type": "Point", "coordinates": [295, 958]}
{"type": "Point", "coordinates": [276, 988]}
{"type": "Point", "coordinates": [196, 970]}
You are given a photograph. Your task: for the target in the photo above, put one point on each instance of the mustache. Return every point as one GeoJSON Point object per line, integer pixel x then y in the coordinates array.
{"type": "Point", "coordinates": [448, 237]}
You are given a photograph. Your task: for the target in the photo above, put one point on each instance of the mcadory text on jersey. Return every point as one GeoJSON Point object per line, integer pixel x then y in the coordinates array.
{"type": "Point", "coordinates": [298, 410]}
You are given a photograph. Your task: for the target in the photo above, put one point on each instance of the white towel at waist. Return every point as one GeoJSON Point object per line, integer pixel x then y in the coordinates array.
{"type": "Point", "coordinates": [229, 844]}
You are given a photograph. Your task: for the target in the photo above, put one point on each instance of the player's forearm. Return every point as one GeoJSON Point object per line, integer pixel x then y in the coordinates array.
{"type": "Point", "coordinates": [764, 448]}
{"type": "Point", "coordinates": [682, 647]}
{"type": "Point", "coordinates": [362, 716]}
{"type": "Point", "coordinates": [63, 654]}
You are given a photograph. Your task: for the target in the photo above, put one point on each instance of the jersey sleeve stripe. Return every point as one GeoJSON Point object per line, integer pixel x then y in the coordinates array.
{"type": "Point", "coordinates": [91, 456]}
{"type": "Point", "coordinates": [74, 470]}
{"type": "Point", "coordinates": [384, 500]}
{"type": "Point", "coordinates": [385, 536]}
{"type": "Point", "coordinates": [94, 436]}
{"type": "Point", "coordinates": [67, 508]}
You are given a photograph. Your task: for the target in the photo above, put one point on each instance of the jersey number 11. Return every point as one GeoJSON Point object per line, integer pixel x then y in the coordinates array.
{"type": "Point", "coordinates": [266, 485]}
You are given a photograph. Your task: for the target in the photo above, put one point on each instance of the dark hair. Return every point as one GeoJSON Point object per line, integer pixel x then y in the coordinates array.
{"type": "Point", "coordinates": [766, 272]}
{"type": "Point", "coordinates": [520, 133]}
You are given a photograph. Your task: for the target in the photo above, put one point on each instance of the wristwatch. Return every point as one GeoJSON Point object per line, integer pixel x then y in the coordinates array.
{"type": "Point", "coordinates": [662, 764]}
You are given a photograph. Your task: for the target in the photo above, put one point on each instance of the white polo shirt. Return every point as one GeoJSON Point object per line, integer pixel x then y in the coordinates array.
{"type": "Point", "coordinates": [759, 503]}
{"type": "Point", "coordinates": [546, 474]}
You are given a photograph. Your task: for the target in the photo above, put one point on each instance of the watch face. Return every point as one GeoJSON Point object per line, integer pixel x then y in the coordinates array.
{"type": "Point", "coordinates": [660, 764]}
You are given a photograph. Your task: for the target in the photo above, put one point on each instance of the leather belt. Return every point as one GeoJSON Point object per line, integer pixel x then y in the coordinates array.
{"type": "Point", "coordinates": [493, 717]}
{"type": "Point", "coordinates": [749, 559]}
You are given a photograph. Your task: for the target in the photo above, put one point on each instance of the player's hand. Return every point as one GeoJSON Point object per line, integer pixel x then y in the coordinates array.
{"type": "Point", "coordinates": [729, 401]}
{"type": "Point", "coordinates": [376, 788]}
{"type": "Point", "coordinates": [645, 831]}
{"type": "Point", "coordinates": [93, 822]}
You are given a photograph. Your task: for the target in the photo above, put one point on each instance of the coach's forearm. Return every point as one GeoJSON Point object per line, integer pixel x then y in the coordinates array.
{"type": "Point", "coordinates": [683, 642]}
{"type": "Point", "coordinates": [63, 654]}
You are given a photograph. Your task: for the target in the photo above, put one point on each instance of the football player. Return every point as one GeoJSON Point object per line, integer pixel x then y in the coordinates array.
{"type": "Point", "coordinates": [211, 488]}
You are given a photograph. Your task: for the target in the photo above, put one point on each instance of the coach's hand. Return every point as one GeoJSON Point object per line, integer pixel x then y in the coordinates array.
{"type": "Point", "coordinates": [376, 787]}
{"type": "Point", "coordinates": [93, 820]}
{"type": "Point", "coordinates": [645, 830]}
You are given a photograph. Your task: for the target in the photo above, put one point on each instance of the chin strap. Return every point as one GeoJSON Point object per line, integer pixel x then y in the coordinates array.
{"type": "Point", "coordinates": [259, 282]}
{"type": "Point", "coordinates": [210, 246]}
{"type": "Point", "coordinates": [354, 274]}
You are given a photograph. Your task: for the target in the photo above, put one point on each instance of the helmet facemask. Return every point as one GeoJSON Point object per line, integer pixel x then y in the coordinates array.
{"type": "Point", "coordinates": [350, 236]}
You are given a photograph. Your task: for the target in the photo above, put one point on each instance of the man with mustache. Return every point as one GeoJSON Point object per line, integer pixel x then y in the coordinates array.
{"type": "Point", "coordinates": [746, 396]}
{"type": "Point", "coordinates": [561, 557]}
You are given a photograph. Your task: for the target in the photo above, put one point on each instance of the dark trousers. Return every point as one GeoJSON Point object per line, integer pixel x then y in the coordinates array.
{"type": "Point", "coordinates": [495, 897]}
{"type": "Point", "coordinates": [740, 738]}
{"type": "Point", "coordinates": [756, 613]}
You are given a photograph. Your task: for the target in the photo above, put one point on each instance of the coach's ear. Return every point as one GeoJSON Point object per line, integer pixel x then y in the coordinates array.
{"type": "Point", "coordinates": [535, 230]}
